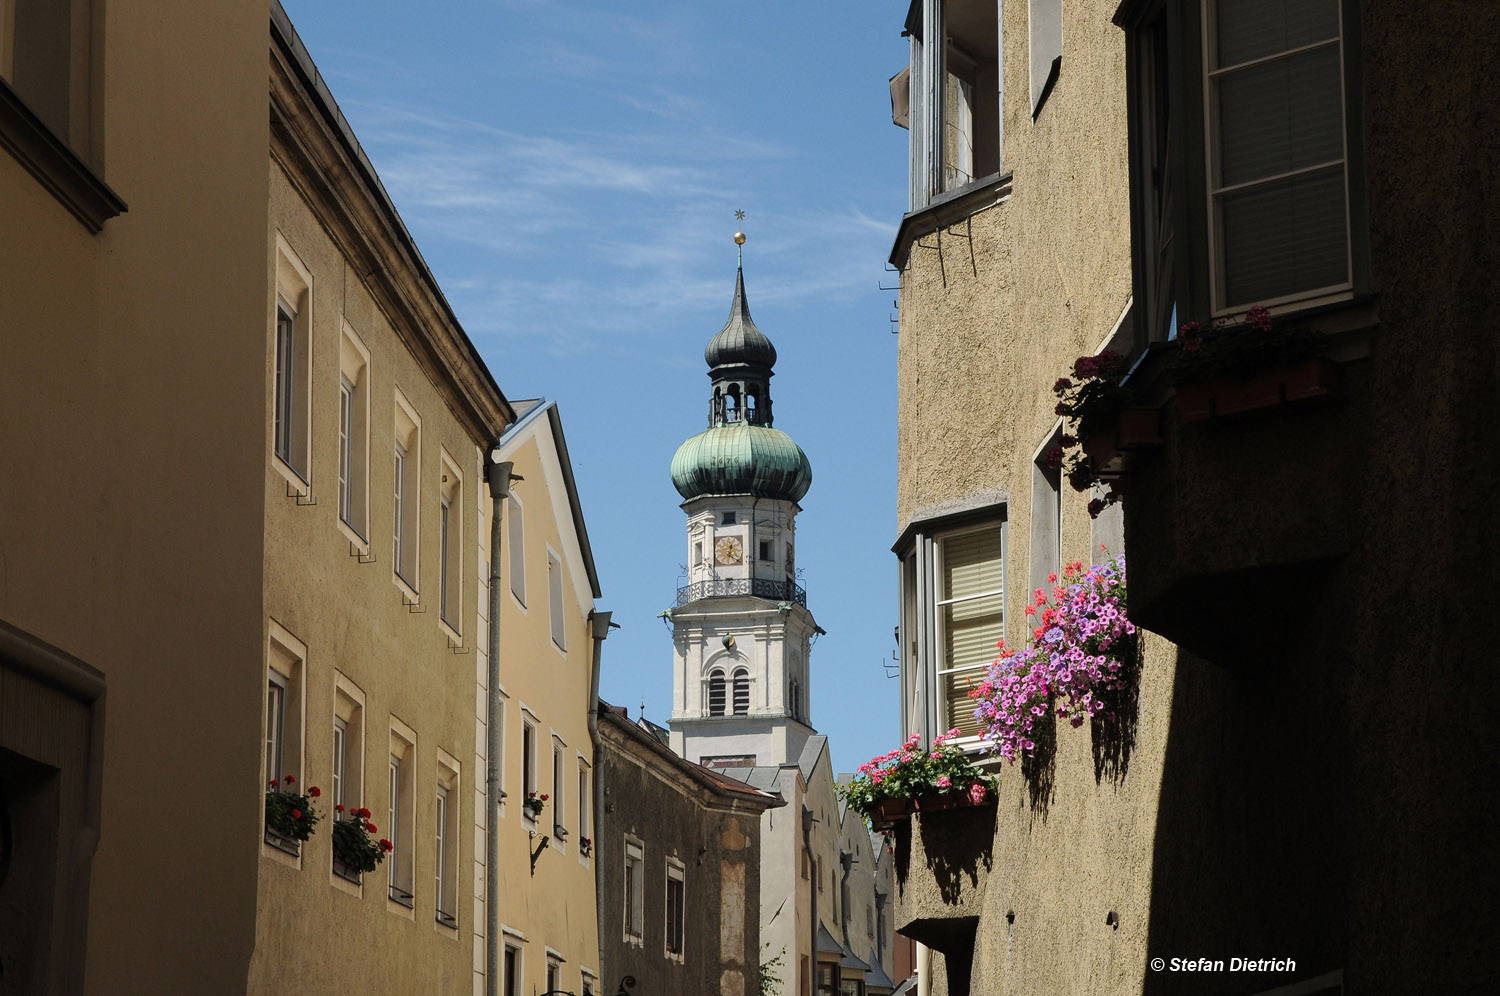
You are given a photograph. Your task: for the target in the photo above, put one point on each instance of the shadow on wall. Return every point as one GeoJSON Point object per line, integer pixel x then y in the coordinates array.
{"type": "Point", "coordinates": [1113, 732]}
{"type": "Point", "coordinates": [1252, 851]}
{"type": "Point", "coordinates": [1039, 765]}
{"type": "Point", "coordinates": [957, 843]}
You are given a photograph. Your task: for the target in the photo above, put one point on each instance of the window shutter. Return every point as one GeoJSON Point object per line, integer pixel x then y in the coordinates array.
{"type": "Point", "coordinates": [973, 620]}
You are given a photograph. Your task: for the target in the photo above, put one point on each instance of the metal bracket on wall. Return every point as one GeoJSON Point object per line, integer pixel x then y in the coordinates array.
{"type": "Point", "coordinates": [412, 606]}
{"type": "Point", "coordinates": [942, 270]}
{"type": "Point", "coordinates": [538, 852]}
{"type": "Point", "coordinates": [457, 646]}
{"type": "Point", "coordinates": [303, 497]}
{"type": "Point", "coordinates": [356, 552]}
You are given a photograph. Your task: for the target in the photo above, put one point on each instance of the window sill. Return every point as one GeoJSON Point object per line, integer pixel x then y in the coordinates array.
{"type": "Point", "coordinates": [55, 166]}
{"type": "Point", "coordinates": [947, 208]}
{"type": "Point", "coordinates": [455, 638]}
{"type": "Point", "coordinates": [300, 486]}
{"type": "Point", "coordinates": [355, 538]}
{"type": "Point", "coordinates": [409, 595]}
{"type": "Point", "coordinates": [447, 921]}
{"type": "Point", "coordinates": [400, 902]}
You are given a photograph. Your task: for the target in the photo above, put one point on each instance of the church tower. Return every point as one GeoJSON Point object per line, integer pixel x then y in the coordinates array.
{"type": "Point", "coordinates": [741, 630]}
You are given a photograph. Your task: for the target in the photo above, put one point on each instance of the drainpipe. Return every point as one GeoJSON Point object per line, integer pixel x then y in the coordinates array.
{"type": "Point", "coordinates": [499, 477]}
{"type": "Point", "coordinates": [846, 860]}
{"type": "Point", "coordinates": [600, 626]}
{"type": "Point", "coordinates": [817, 877]}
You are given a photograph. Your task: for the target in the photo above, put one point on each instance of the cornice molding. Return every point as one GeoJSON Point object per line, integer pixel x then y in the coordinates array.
{"type": "Point", "coordinates": [327, 170]}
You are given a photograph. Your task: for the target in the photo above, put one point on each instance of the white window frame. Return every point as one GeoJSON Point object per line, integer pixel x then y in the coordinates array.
{"type": "Point", "coordinates": [529, 747]}
{"type": "Point", "coordinates": [401, 820]}
{"type": "Point", "coordinates": [557, 601]}
{"type": "Point", "coordinates": [937, 616]}
{"type": "Point", "coordinates": [633, 871]}
{"type": "Point", "coordinates": [406, 514]}
{"type": "Point", "coordinates": [513, 976]}
{"type": "Point", "coordinates": [675, 872]}
{"type": "Point", "coordinates": [559, 793]}
{"type": "Point", "coordinates": [291, 373]}
{"type": "Point", "coordinates": [446, 842]}
{"type": "Point", "coordinates": [450, 546]}
{"type": "Point", "coordinates": [286, 670]}
{"type": "Point", "coordinates": [515, 538]}
{"type": "Point", "coordinates": [354, 439]}
{"type": "Point", "coordinates": [585, 810]}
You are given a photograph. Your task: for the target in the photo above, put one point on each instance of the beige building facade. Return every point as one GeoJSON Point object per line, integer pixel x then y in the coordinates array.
{"type": "Point", "coordinates": [1014, 260]}
{"type": "Point", "coordinates": [278, 564]}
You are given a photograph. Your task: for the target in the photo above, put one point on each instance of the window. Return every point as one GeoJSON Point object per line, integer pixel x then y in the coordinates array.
{"type": "Point", "coordinates": [515, 535]}
{"type": "Point", "coordinates": [1238, 138]}
{"type": "Point", "coordinates": [949, 96]}
{"type": "Point", "coordinates": [585, 807]}
{"type": "Point", "coordinates": [728, 519]}
{"type": "Point", "coordinates": [1044, 23]}
{"type": "Point", "coordinates": [354, 435]}
{"type": "Point", "coordinates": [407, 493]}
{"type": "Point", "coordinates": [716, 692]}
{"type": "Point", "coordinates": [555, 600]}
{"type": "Point", "coordinates": [1046, 512]}
{"type": "Point", "coordinates": [826, 983]}
{"type": "Point", "coordinates": [559, 793]}
{"type": "Point", "coordinates": [400, 814]}
{"type": "Point", "coordinates": [676, 912]}
{"type": "Point", "coordinates": [511, 971]}
{"type": "Point", "coordinates": [698, 554]}
{"type": "Point", "coordinates": [50, 63]}
{"type": "Point", "coordinates": [348, 750]}
{"type": "Point", "coordinates": [634, 911]}
{"type": "Point", "coordinates": [528, 764]}
{"type": "Point", "coordinates": [1278, 184]}
{"type": "Point", "coordinates": [285, 658]}
{"type": "Point", "coordinates": [741, 692]}
{"type": "Point", "coordinates": [450, 545]}
{"type": "Point", "coordinates": [851, 987]}
{"type": "Point", "coordinates": [589, 983]}
{"type": "Point", "coordinates": [291, 422]}
{"type": "Point", "coordinates": [953, 615]}
{"type": "Point", "coordinates": [554, 974]}
{"type": "Point", "coordinates": [445, 844]}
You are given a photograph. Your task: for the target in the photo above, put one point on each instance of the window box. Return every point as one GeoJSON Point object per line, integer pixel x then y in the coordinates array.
{"type": "Point", "coordinates": [1311, 379]}
{"type": "Point", "coordinates": [889, 812]}
{"type": "Point", "coordinates": [345, 872]}
{"type": "Point", "coordinates": [286, 845]}
{"type": "Point", "coordinates": [1112, 452]}
{"type": "Point", "coordinates": [945, 801]}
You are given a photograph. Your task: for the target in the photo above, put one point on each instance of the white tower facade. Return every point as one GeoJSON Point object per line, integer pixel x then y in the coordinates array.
{"type": "Point", "coordinates": [742, 632]}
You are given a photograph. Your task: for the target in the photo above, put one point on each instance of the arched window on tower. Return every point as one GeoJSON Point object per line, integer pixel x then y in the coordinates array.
{"type": "Point", "coordinates": [716, 692]}
{"type": "Point", "coordinates": [732, 403]}
{"type": "Point", "coordinates": [752, 401]}
{"type": "Point", "coordinates": [716, 410]}
{"type": "Point", "coordinates": [794, 700]}
{"type": "Point", "coordinates": [741, 692]}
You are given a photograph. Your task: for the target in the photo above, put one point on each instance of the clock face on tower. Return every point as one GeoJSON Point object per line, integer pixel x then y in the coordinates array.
{"type": "Point", "coordinates": [729, 551]}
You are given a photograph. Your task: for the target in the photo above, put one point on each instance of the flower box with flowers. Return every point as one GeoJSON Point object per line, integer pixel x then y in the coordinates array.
{"type": "Point", "coordinates": [534, 805]}
{"type": "Point", "coordinates": [1229, 369]}
{"type": "Point", "coordinates": [355, 848]}
{"type": "Point", "coordinates": [1080, 656]}
{"type": "Point", "coordinates": [890, 787]}
{"type": "Point", "coordinates": [290, 816]}
{"type": "Point", "coordinates": [1108, 426]}
{"type": "Point", "coordinates": [585, 846]}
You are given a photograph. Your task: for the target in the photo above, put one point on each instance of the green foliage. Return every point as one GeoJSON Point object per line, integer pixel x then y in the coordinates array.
{"type": "Point", "coordinates": [767, 976]}
{"type": "Point", "coordinates": [909, 772]}
{"type": "Point", "coordinates": [353, 845]}
{"type": "Point", "coordinates": [291, 814]}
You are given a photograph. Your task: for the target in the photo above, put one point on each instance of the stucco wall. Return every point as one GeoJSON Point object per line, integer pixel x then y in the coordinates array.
{"type": "Point", "coordinates": [720, 854]}
{"type": "Point", "coordinates": [982, 339]}
{"type": "Point", "coordinates": [131, 508]}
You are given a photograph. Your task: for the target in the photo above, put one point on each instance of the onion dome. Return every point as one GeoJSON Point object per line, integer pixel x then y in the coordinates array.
{"type": "Point", "coordinates": [739, 342]}
{"type": "Point", "coordinates": [741, 459]}
{"type": "Point", "coordinates": [740, 453]}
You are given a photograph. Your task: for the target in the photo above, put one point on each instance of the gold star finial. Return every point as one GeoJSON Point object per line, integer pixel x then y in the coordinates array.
{"type": "Point", "coordinates": [739, 237]}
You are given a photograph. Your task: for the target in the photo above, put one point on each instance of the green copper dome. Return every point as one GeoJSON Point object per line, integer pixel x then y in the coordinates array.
{"type": "Point", "coordinates": [741, 459]}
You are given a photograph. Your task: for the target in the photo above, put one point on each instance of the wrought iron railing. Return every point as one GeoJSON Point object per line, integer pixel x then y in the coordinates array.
{"type": "Point", "coordinates": [776, 591]}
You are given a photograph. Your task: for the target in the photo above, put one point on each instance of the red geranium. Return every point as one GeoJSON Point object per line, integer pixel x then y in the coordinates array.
{"type": "Point", "coordinates": [296, 814]}
{"type": "Point", "coordinates": [290, 780]}
{"type": "Point", "coordinates": [339, 808]}
{"type": "Point", "coordinates": [371, 828]}
{"type": "Point", "coordinates": [314, 792]}
{"type": "Point", "coordinates": [386, 845]}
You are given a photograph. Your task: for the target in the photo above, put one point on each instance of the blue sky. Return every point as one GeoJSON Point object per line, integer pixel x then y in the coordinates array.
{"type": "Point", "coordinates": [570, 171]}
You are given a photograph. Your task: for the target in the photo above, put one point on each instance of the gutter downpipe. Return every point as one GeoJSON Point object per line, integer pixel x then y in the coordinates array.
{"type": "Point", "coordinates": [599, 627]}
{"type": "Point", "coordinates": [499, 477]}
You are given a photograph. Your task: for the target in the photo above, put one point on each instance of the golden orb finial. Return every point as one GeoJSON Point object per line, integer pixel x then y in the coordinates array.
{"type": "Point", "coordinates": [739, 236]}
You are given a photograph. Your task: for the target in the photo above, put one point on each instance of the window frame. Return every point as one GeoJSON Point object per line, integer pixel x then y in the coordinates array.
{"type": "Point", "coordinates": [353, 466]}
{"type": "Point", "coordinates": [632, 878]}
{"type": "Point", "coordinates": [401, 820]}
{"type": "Point", "coordinates": [1173, 261]}
{"type": "Point", "coordinates": [450, 545]}
{"type": "Point", "coordinates": [406, 517]}
{"type": "Point", "coordinates": [291, 369]}
{"type": "Point", "coordinates": [675, 873]}
{"type": "Point", "coordinates": [515, 537]}
{"type": "Point", "coordinates": [557, 602]}
{"type": "Point", "coordinates": [740, 686]}
{"type": "Point", "coordinates": [585, 809]}
{"type": "Point", "coordinates": [559, 792]}
{"type": "Point", "coordinates": [286, 671]}
{"type": "Point", "coordinates": [446, 841]}
{"type": "Point", "coordinates": [529, 747]}
{"type": "Point", "coordinates": [716, 691]}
